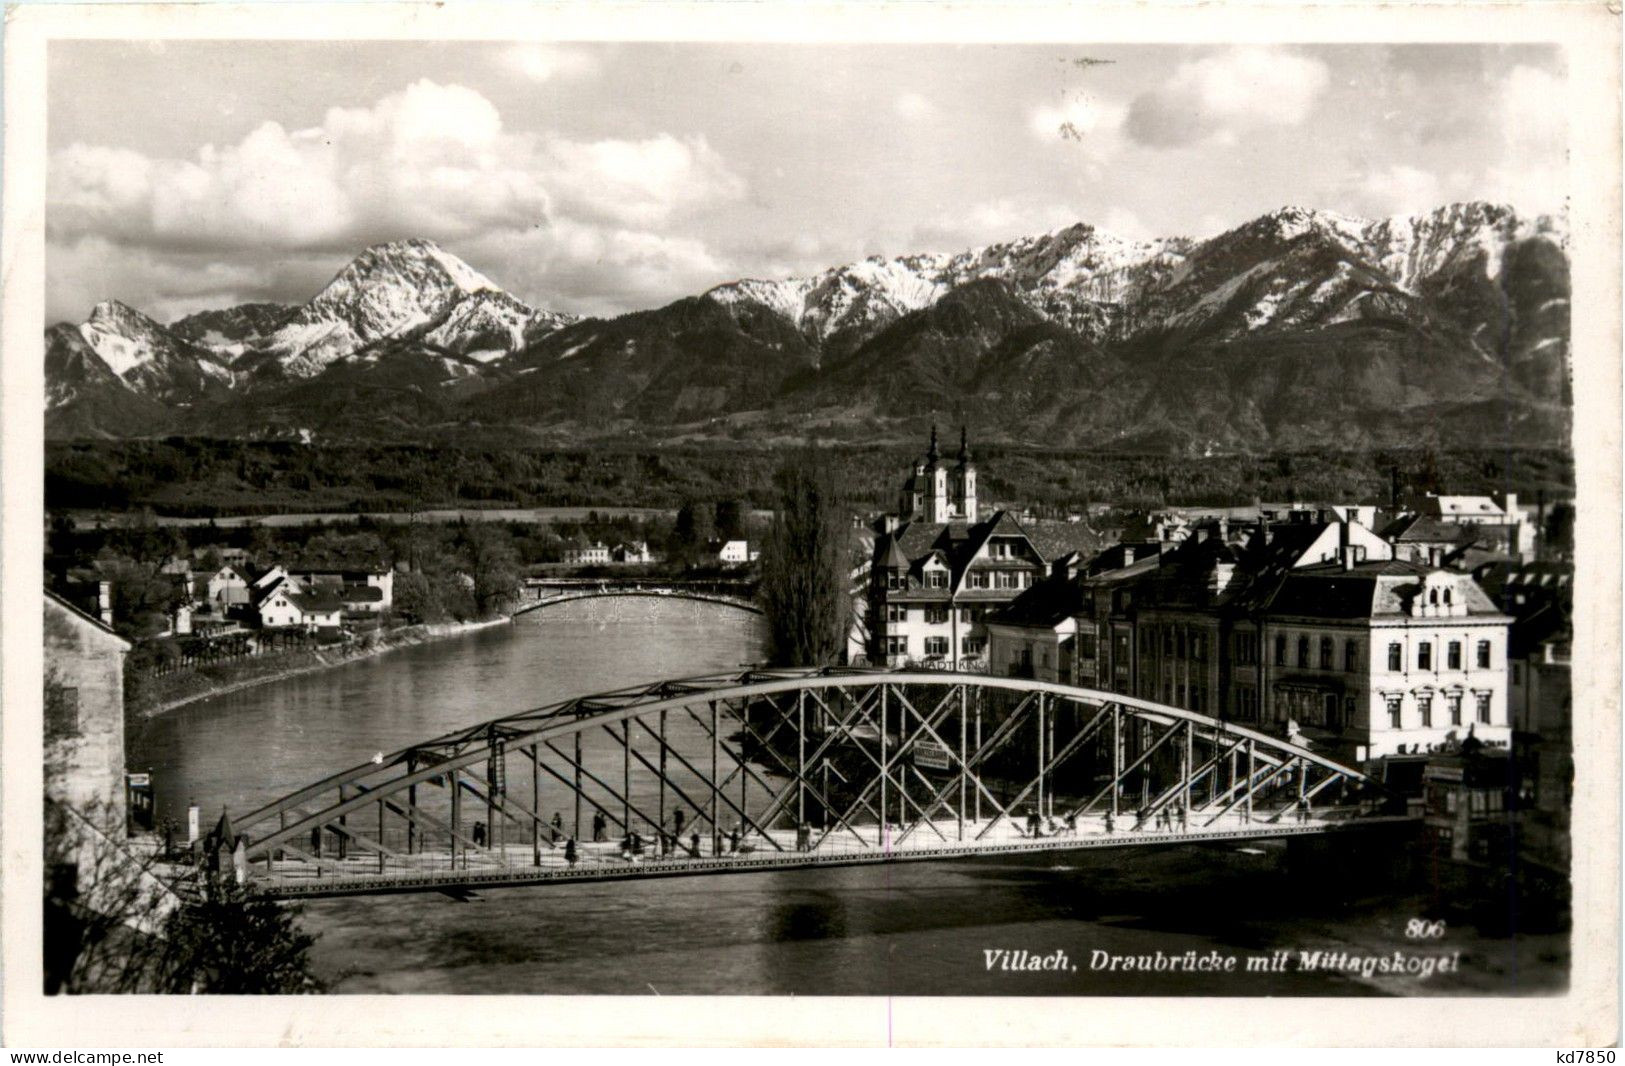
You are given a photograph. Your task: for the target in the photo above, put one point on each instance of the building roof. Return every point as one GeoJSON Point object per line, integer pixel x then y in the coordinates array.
{"type": "Point", "coordinates": [85, 617]}
{"type": "Point", "coordinates": [1045, 605]}
{"type": "Point", "coordinates": [362, 594]}
{"type": "Point", "coordinates": [1425, 529]}
{"type": "Point", "coordinates": [1367, 590]}
{"type": "Point", "coordinates": [320, 602]}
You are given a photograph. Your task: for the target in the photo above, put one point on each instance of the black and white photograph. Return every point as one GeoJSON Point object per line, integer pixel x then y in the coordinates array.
{"type": "Point", "coordinates": [1058, 516]}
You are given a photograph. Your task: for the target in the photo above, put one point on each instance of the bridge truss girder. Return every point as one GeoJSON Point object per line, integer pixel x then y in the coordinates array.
{"type": "Point", "coordinates": [778, 762]}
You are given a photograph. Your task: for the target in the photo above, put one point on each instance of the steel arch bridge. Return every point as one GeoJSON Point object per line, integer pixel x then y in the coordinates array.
{"type": "Point", "coordinates": [652, 592]}
{"type": "Point", "coordinates": [776, 769]}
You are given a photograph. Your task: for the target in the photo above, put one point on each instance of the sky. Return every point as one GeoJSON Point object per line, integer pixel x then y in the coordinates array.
{"type": "Point", "coordinates": [604, 178]}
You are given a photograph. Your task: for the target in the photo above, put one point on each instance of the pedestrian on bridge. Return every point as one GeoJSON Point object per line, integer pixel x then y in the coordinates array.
{"type": "Point", "coordinates": [599, 824]}
{"type": "Point", "coordinates": [694, 843]}
{"type": "Point", "coordinates": [570, 855]}
{"type": "Point", "coordinates": [677, 820]}
{"type": "Point", "coordinates": [1184, 819]}
{"type": "Point", "coordinates": [1072, 824]}
{"type": "Point", "coordinates": [558, 826]}
{"type": "Point", "coordinates": [803, 837]}
{"type": "Point", "coordinates": [1111, 823]}
{"type": "Point", "coordinates": [733, 841]}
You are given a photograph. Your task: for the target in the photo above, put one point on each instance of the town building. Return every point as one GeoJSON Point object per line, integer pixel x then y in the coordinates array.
{"type": "Point", "coordinates": [227, 587]}
{"type": "Point", "coordinates": [631, 553]}
{"type": "Point", "coordinates": [582, 552]}
{"type": "Point", "coordinates": [84, 714]}
{"type": "Point", "coordinates": [347, 583]}
{"type": "Point", "coordinates": [736, 553]}
{"type": "Point", "coordinates": [1540, 598]}
{"type": "Point", "coordinates": [1307, 628]}
{"type": "Point", "coordinates": [934, 584]}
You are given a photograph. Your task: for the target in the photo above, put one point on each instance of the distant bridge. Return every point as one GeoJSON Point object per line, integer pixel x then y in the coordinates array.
{"type": "Point", "coordinates": [780, 769]}
{"type": "Point", "coordinates": [539, 593]}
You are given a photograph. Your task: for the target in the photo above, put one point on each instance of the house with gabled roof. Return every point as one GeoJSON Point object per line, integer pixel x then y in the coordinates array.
{"type": "Point", "coordinates": [934, 584]}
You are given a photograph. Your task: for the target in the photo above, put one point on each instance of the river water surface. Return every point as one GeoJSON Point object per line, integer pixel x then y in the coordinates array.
{"type": "Point", "coordinates": [902, 929]}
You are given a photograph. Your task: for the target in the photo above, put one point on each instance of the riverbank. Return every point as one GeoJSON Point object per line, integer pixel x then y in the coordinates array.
{"type": "Point", "coordinates": [179, 689]}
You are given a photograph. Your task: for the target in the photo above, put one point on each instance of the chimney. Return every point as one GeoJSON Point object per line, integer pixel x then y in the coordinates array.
{"type": "Point", "coordinates": [104, 602]}
{"type": "Point", "coordinates": [1435, 556]}
{"type": "Point", "coordinates": [1224, 528]}
{"type": "Point", "coordinates": [1348, 556]}
{"type": "Point", "coordinates": [1128, 555]}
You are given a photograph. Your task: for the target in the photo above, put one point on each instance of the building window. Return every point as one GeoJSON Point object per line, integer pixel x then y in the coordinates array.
{"type": "Point", "coordinates": [1351, 656]}
{"type": "Point", "coordinates": [1006, 580]}
{"type": "Point", "coordinates": [1453, 704]}
{"type": "Point", "coordinates": [1198, 647]}
{"type": "Point", "coordinates": [1303, 651]}
{"type": "Point", "coordinates": [936, 615]}
{"type": "Point", "coordinates": [1280, 649]}
{"type": "Point", "coordinates": [1483, 700]}
{"type": "Point", "coordinates": [1453, 655]}
{"type": "Point", "coordinates": [1394, 704]}
{"type": "Point", "coordinates": [1483, 655]}
{"type": "Point", "coordinates": [1326, 653]}
{"type": "Point", "coordinates": [937, 579]}
{"type": "Point", "coordinates": [1424, 655]}
{"type": "Point", "coordinates": [896, 645]}
{"type": "Point", "coordinates": [1350, 706]}
{"type": "Point", "coordinates": [1395, 657]}
{"type": "Point", "coordinates": [1424, 705]}
{"type": "Point", "coordinates": [1331, 712]}
{"type": "Point", "coordinates": [1086, 645]}
{"type": "Point", "coordinates": [895, 613]}
{"type": "Point", "coordinates": [62, 713]}
{"type": "Point", "coordinates": [936, 645]}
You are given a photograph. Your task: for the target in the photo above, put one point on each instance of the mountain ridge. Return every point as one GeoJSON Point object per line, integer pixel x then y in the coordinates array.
{"type": "Point", "coordinates": [1355, 328]}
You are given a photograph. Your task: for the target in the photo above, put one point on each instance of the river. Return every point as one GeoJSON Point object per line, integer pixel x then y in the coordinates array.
{"type": "Point", "coordinates": [904, 929]}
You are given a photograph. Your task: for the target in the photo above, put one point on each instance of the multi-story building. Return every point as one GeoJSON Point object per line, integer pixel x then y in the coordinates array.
{"type": "Point", "coordinates": [84, 714]}
{"type": "Point", "coordinates": [934, 583]}
{"type": "Point", "coordinates": [1307, 628]}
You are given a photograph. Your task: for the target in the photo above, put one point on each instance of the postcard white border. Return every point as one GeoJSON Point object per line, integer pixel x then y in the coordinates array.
{"type": "Point", "coordinates": [1587, 1015]}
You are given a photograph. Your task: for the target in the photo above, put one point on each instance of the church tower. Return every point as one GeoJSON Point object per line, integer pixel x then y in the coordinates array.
{"type": "Point", "coordinates": [964, 481]}
{"type": "Point", "coordinates": [939, 508]}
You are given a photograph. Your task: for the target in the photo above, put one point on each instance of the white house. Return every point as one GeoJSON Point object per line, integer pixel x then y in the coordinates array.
{"type": "Point", "coordinates": [735, 552]}
{"type": "Point", "coordinates": [228, 587]}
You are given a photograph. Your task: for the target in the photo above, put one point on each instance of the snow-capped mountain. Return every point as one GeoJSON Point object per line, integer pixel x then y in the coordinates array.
{"type": "Point", "coordinates": [1312, 265]}
{"type": "Point", "coordinates": [1298, 328]}
{"type": "Point", "coordinates": [398, 290]}
{"type": "Point", "coordinates": [148, 358]}
{"type": "Point", "coordinates": [406, 297]}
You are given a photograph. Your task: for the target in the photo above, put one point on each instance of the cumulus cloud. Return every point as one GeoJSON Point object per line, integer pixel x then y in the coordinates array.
{"type": "Point", "coordinates": [429, 161]}
{"type": "Point", "coordinates": [1221, 96]}
{"type": "Point", "coordinates": [638, 182]}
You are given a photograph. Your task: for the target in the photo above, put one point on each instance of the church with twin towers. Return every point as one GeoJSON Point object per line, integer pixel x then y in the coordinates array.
{"type": "Point", "coordinates": [935, 493]}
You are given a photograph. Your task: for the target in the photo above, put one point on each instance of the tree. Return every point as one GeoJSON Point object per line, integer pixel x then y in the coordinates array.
{"type": "Point", "coordinates": [731, 519]}
{"type": "Point", "coordinates": [1557, 539]}
{"type": "Point", "coordinates": [805, 564]}
{"type": "Point", "coordinates": [696, 526]}
{"type": "Point", "coordinates": [492, 563]}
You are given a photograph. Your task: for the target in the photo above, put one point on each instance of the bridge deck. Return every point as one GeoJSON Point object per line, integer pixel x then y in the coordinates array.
{"type": "Point", "coordinates": [514, 863]}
